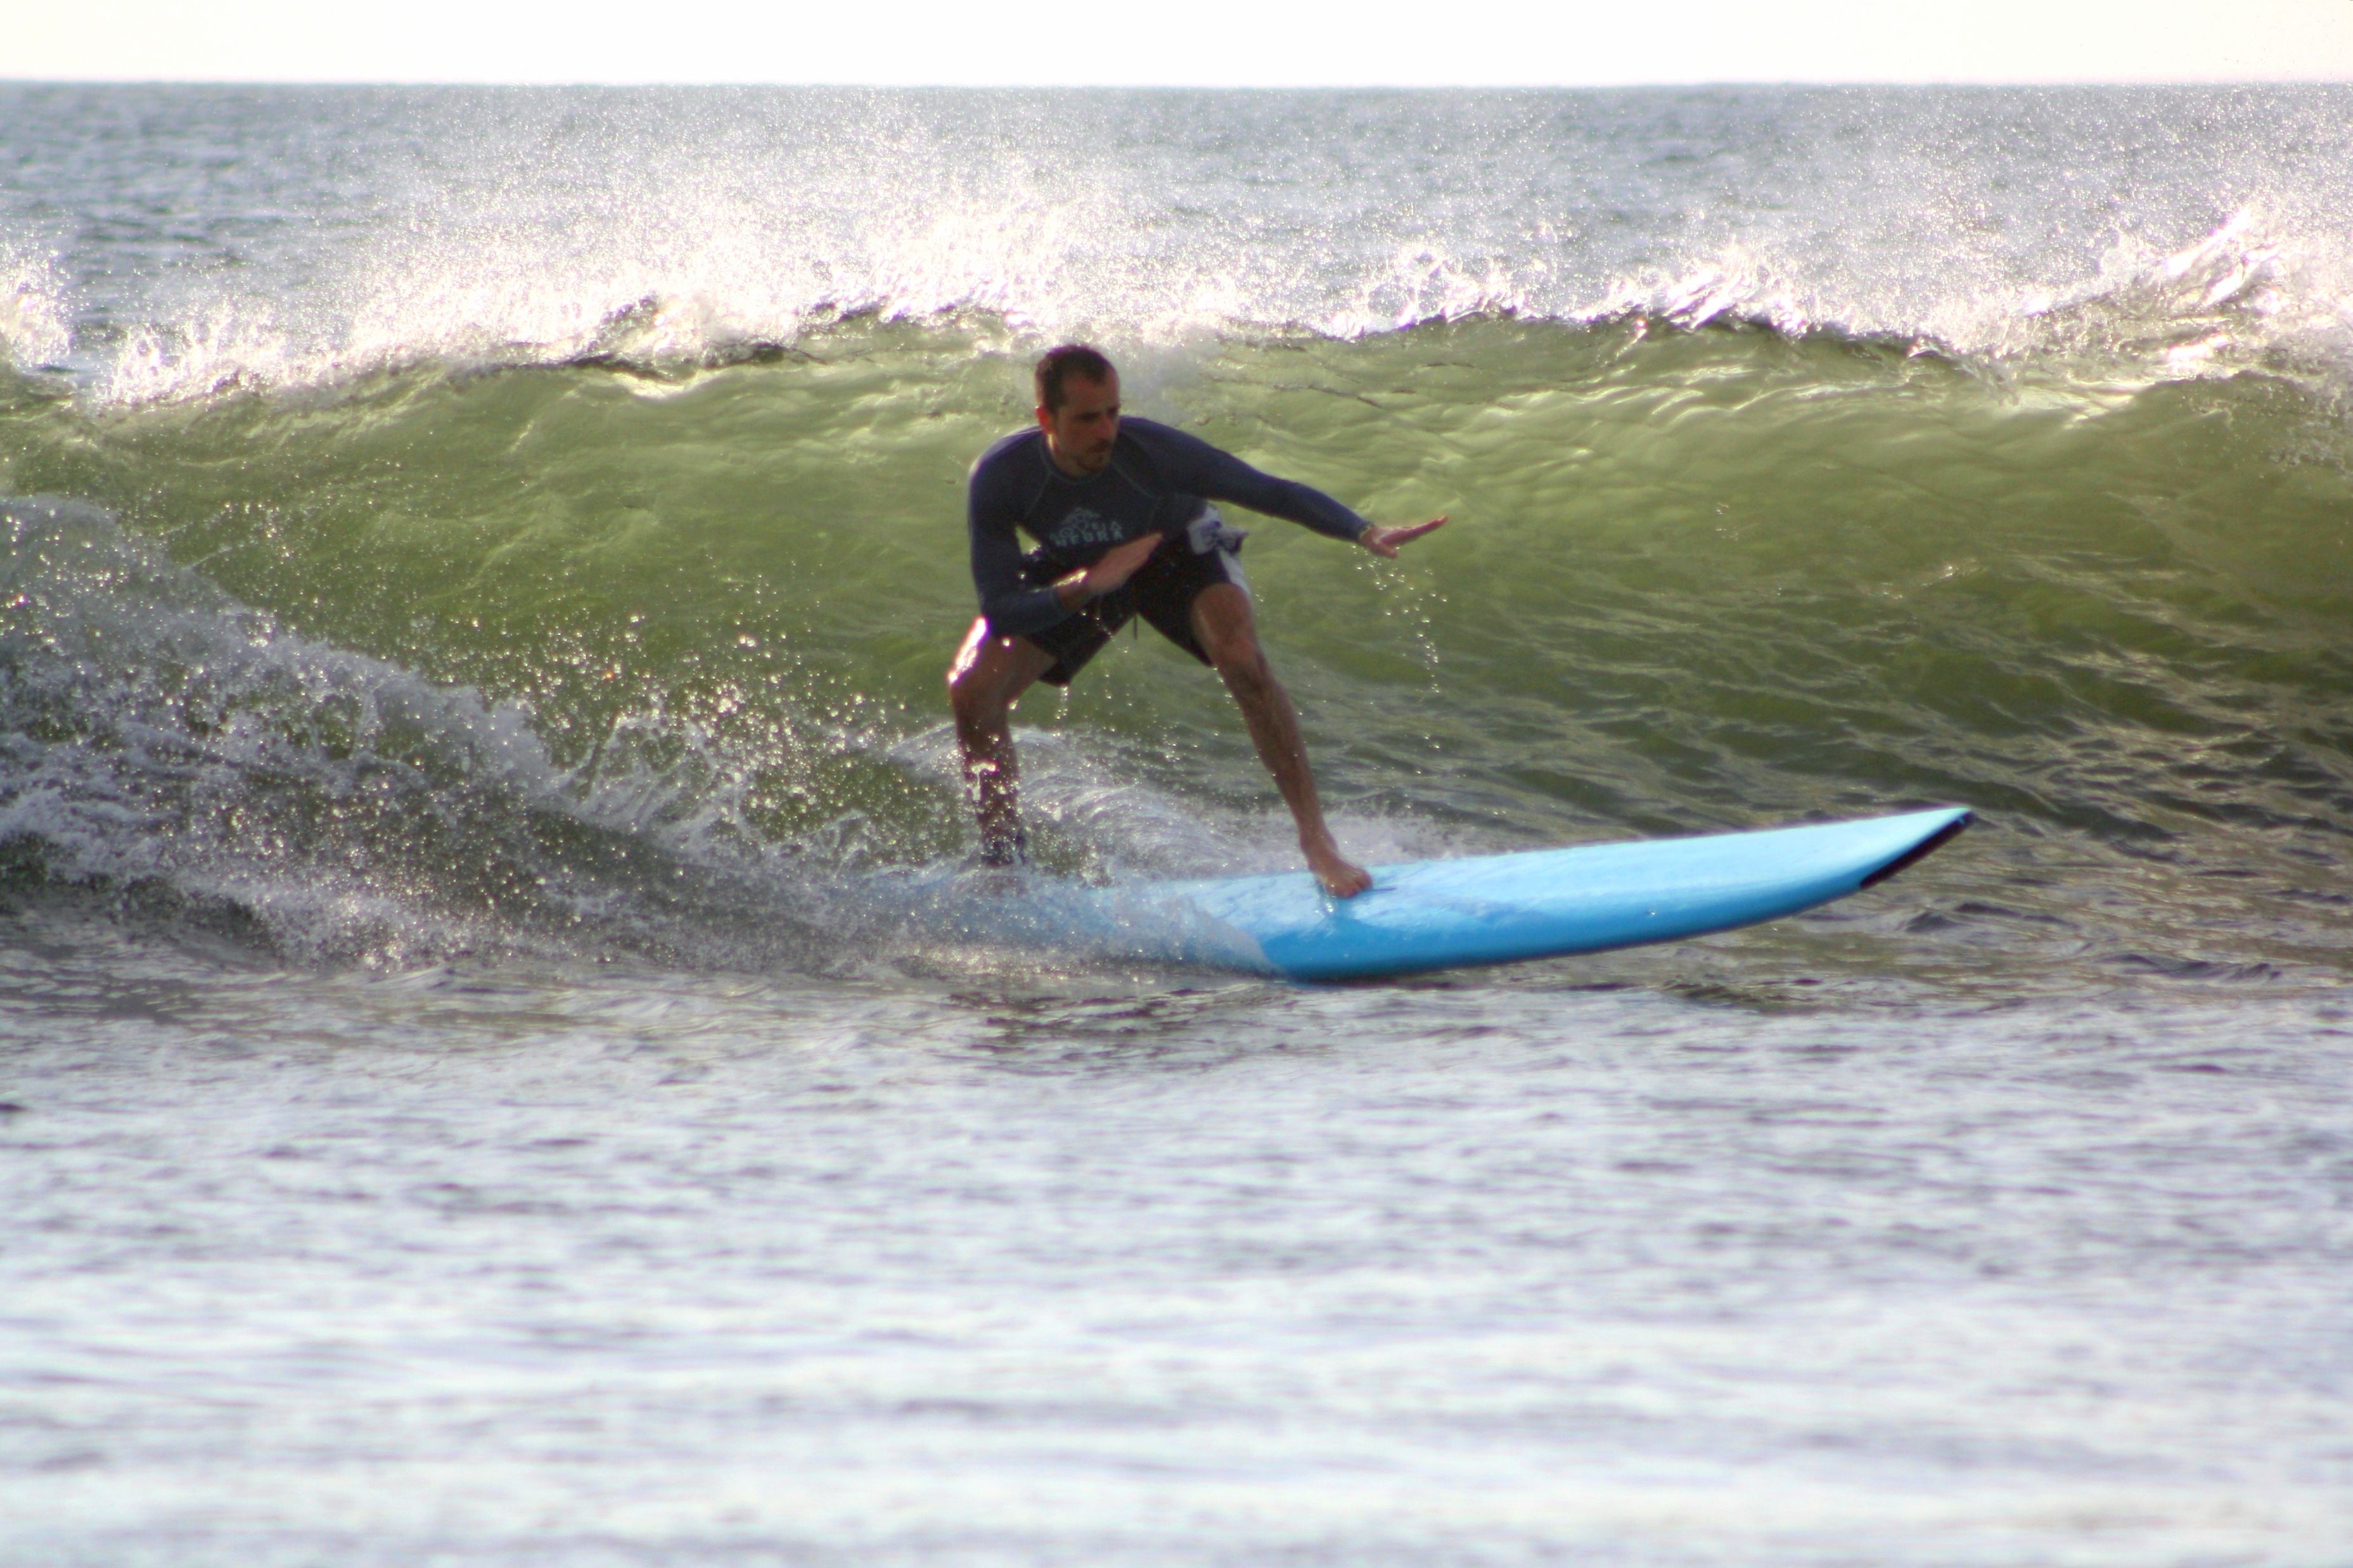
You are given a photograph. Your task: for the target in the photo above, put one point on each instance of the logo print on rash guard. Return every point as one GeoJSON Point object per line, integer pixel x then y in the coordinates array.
{"type": "Point", "coordinates": [1083, 525]}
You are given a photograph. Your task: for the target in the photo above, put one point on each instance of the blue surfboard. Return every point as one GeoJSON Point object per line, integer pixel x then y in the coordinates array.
{"type": "Point", "coordinates": [1498, 909]}
{"type": "Point", "coordinates": [1445, 914]}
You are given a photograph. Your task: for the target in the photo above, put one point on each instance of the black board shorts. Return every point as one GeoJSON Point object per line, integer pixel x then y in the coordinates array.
{"type": "Point", "coordinates": [1162, 592]}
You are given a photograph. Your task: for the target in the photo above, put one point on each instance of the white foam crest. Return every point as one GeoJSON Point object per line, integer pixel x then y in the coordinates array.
{"type": "Point", "coordinates": [1735, 286]}
{"type": "Point", "coordinates": [681, 236]}
{"type": "Point", "coordinates": [235, 343]}
{"type": "Point", "coordinates": [2237, 296]}
{"type": "Point", "coordinates": [1423, 284]}
{"type": "Point", "coordinates": [2217, 304]}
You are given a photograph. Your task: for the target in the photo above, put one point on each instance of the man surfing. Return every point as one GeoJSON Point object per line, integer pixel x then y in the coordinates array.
{"type": "Point", "coordinates": [1120, 511]}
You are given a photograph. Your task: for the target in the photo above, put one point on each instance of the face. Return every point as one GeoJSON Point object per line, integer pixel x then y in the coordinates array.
{"type": "Point", "coordinates": [1080, 433]}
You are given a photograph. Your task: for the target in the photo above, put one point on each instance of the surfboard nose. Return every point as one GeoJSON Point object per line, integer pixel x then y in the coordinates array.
{"type": "Point", "coordinates": [1960, 818]}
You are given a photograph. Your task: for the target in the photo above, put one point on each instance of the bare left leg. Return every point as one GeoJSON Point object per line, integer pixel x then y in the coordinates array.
{"type": "Point", "coordinates": [987, 677]}
{"type": "Point", "coordinates": [1229, 635]}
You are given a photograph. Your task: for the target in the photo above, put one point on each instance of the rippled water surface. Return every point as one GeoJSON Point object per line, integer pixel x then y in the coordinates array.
{"type": "Point", "coordinates": [538, 1267]}
{"type": "Point", "coordinates": [475, 571]}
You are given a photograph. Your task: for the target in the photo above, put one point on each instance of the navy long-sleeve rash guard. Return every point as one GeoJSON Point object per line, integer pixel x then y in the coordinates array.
{"type": "Point", "coordinates": [1156, 482]}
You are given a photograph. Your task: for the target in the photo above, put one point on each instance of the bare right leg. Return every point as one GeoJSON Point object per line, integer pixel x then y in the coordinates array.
{"type": "Point", "coordinates": [1227, 633]}
{"type": "Point", "coordinates": [988, 678]}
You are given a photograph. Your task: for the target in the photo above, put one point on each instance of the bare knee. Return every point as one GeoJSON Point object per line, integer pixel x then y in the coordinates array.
{"type": "Point", "coordinates": [977, 700]}
{"type": "Point", "coordinates": [1242, 664]}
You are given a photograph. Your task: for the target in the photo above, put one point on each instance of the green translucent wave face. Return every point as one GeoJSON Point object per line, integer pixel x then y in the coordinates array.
{"type": "Point", "coordinates": [1690, 578]}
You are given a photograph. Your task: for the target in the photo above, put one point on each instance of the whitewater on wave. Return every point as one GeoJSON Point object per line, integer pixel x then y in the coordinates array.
{"type": "Point", "coordinates": [2128, 235]}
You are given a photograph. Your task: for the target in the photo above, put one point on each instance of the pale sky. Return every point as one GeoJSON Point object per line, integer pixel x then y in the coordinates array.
{"type": "Point", "coordinates": [1218, 43]}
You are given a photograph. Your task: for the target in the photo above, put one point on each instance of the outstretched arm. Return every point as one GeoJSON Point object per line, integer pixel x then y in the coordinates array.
{"type": "Point", "coordinates": [1193, 465]}
{"type": "Point", "coordinates": [1220, 476]}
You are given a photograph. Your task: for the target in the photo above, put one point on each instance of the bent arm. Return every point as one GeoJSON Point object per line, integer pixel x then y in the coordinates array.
{"type": "Point", "coordinates": [1013, 607]}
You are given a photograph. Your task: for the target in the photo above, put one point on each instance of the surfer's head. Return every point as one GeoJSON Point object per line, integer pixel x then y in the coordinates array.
{"type": "Point", "coordinates": [1078, 407]}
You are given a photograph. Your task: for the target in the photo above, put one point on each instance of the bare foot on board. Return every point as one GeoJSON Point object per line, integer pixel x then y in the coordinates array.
{"type": "Point", "coordinates": [1342, 878]}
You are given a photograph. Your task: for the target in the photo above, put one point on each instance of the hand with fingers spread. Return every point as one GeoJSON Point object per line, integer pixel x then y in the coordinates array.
{"type": "Point", "coordinates": [1107, 574]}
{"type": "Point", "coordinates": [1384, 541]}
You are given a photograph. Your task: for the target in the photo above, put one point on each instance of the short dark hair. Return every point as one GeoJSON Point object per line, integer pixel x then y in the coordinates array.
{"type": "Point", "coordinates": [1061, 364]}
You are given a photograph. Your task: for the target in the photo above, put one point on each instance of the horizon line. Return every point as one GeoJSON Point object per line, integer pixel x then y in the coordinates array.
{"type": "Point", "coordinates": [1819, 82]}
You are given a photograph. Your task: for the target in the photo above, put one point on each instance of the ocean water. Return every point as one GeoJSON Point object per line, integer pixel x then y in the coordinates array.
{"type": "Point", "coordinates": [478, 569]}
